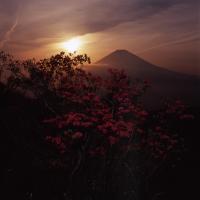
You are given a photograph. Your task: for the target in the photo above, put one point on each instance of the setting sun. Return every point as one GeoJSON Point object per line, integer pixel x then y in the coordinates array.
{"type": "Point", "coordinates": [72, 45]}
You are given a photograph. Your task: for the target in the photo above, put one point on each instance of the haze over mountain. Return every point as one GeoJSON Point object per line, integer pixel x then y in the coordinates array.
{"type": "Point", "coordinates": [164, 83]}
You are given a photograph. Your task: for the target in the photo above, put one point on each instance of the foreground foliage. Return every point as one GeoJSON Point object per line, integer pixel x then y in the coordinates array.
{"type": "Point", "coordinates": [94, 128]}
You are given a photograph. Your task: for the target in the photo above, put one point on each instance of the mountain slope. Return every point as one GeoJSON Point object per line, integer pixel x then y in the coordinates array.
{"type": "Point", "coordinates": [164, 83]}
{"type": "Point", "coordinates": [137, 66]}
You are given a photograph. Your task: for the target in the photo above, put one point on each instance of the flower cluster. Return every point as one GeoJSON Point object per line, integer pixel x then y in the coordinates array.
{"type": "Point", "coordinates": [98, 110]}
{"type": "Point", "coordinates": [103, 114]}
{"type": "Point", "coordinates": [94, 114]}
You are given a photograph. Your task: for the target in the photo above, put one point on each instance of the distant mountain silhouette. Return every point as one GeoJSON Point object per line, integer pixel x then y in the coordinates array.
{"type": "Point", "coordinates": [164, 83]}
{"type": "Point", "coordinates": [138, 67]}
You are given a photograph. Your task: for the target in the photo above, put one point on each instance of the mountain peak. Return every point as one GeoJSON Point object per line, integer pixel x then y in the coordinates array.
{"type": "Point", "coordinates": [121, 51]}
{"type": "Point", "coordinates": [120, 56]}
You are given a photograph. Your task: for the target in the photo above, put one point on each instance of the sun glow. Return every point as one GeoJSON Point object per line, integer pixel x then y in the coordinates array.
{"type": "Point", "coordinates": [72, 45]}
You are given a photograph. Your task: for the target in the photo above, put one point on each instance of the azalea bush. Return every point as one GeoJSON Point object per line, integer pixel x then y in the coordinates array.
{"type": "Point", "coordinates": [97, 126]}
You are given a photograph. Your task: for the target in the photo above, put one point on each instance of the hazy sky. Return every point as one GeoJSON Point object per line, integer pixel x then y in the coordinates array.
{"type": "Point", "coordinates": [164, 32]}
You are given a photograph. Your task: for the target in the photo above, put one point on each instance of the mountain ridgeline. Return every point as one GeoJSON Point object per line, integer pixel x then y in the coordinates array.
{"type": "Point", "coordinates": [165, 84]}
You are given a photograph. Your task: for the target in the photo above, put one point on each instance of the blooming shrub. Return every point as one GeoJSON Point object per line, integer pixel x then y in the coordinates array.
{"type": "Point", "coordinates": [101, 111]}
{"type": "Point", "coordinates": [102, 116]}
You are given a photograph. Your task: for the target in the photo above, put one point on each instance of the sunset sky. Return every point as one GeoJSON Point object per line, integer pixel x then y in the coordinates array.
{"type": "Point", "coordinates": [164, 32]}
